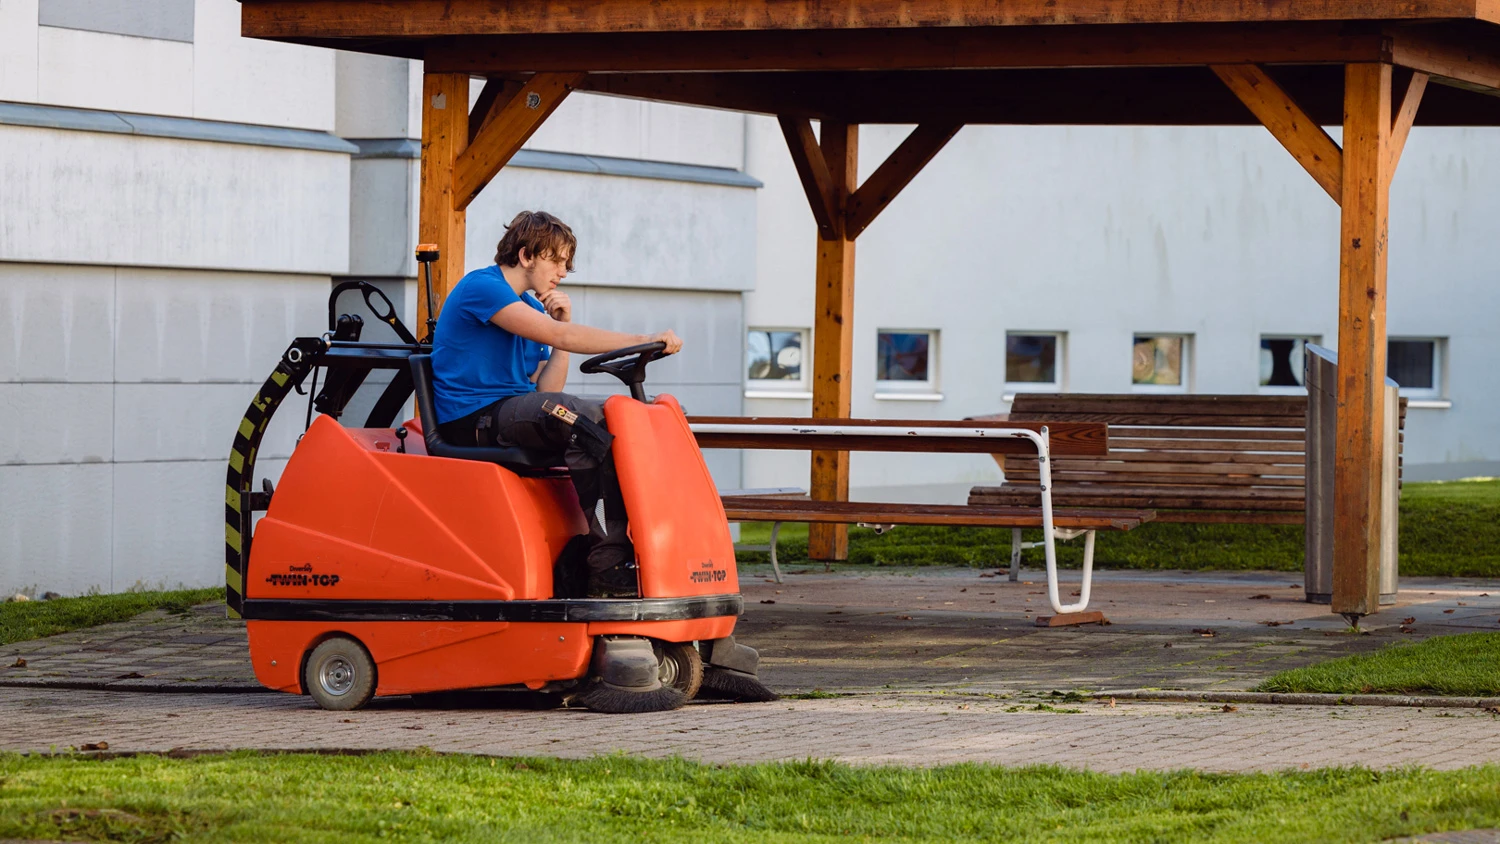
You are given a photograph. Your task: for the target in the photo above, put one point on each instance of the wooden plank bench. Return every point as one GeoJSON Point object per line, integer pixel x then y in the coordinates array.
{"type": "Point", "coordinates": [1037, 436]}
{"type": "Point", "coordinates": [1204, 459]}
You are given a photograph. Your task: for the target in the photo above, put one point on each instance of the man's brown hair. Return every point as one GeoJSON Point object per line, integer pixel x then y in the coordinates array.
{"type": "Point", "coordinates": [540, 234]}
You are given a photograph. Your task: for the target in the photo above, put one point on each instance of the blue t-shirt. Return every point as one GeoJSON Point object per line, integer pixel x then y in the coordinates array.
{"type": "Point", "coordinates": [474, 361]}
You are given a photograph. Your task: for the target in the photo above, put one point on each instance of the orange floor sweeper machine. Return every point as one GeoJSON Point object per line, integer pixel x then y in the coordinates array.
{"type": "Point", "coordinates": [388, 562]}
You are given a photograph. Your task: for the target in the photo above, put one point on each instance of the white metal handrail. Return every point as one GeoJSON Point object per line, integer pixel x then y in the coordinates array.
{"type": "Point", "coordinates": [1039, 439]}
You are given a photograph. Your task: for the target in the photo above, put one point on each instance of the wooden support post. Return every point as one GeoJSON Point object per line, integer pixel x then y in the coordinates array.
{"type": "Point", "coordinates": [445, 134]}
{"type": "Point", "coordinates": [1361, 431]}
{"type": "Point", "coordinates": [833, 336]}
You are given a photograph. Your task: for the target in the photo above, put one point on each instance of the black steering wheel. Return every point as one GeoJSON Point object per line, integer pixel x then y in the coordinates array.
{"type": "Point", "coordinates": [632, 372]}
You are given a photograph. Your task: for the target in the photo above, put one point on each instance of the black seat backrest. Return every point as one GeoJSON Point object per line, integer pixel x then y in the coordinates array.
{"type": "Point", "coordinates": [518, 460]}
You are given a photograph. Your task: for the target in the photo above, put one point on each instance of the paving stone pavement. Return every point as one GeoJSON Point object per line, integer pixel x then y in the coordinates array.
{"type": "Point", "coordinates": [932, 666]}
{"type": "Point", "coordinates": [869, 729]}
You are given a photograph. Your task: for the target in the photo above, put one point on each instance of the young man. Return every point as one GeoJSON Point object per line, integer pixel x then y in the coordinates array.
{"type": "Point", "coordinates": [501, 352]}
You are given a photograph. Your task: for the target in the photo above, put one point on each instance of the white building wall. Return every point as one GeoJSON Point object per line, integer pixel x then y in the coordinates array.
{"type": "Point", "coordinates": [1102, 233]}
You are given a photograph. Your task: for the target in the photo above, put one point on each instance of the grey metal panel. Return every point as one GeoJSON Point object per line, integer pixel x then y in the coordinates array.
{"type": "Point", "coordinates": [607, 166]}
{"type": "Point", "coordinates": [182, 128]}
{"type": "Point", "coordinates": [171, 20]}
{"type": "Point", "coordinates": [387, 148]}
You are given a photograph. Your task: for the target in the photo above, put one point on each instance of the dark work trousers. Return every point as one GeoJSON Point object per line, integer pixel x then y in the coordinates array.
{"type": "Point", "coordinates": [520, 421]}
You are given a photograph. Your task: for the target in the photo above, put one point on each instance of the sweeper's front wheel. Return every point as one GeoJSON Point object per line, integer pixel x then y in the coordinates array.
{"type": "Point", "coordinates": [681, 667]}
{"type": "Point", "coordinates": [339, 674]}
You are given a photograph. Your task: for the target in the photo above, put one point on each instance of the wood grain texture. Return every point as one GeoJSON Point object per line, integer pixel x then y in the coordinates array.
{"type": "Point", "coordinates": [1148, 96]}
{"type": "Point", "coordinates": [1071, 619]}
{"type": "Point", "coordinates": [1313, 148]}
{"type": "Point", "coordinates": [812, 170]}
{"type": "Point", "coordinates": [926, 48]}
{"type": "Point", "coordinates": [895, 173]}
{"type": "Point", "coordinates": [428, 18]}
{"type": "Point", "coordinates": [503, 134]}
{"type": "Point", "coordinates": [495, 94]}
{"type": "Point", "coordinates": [1068, 438]}
{"type": "Point", "coordinates": [1406, 117]}
{"type": "Point", "coordinates": [833, 335]}
{"type": "Point", "coordinates": [445, 133]}
{"type": "Point", "coordinates": [1463, 56]}
{"type": "Point", "coordinates": [955, 515]}
{"type": "Point", "coordinates": [1362, 339]}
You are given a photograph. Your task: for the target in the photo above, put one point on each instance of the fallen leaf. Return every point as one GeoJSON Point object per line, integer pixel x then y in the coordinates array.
{"type": "Point", "coordinates": [97, 745]}
{"type": "Point", "coordinates": [1411, 619]}
{"type": "Point", "coordinates": [134, 675]}
{"type": "Point", "coordinates": [173, 715]}
{"type": "Point", "coordinates": [1277, 623]}
{"type": "Point", "coordinates": [1075, 594]}
{"type": "Point", "coordinates": [1166, 644]}
{"type": "Point", "coordinates": [1405, 629]}
{"type": "Point", "coordinates": [1111, 703]}
{"type": "Point", "coordinates": [347, 721]}
{"type": "Point", "coordinates": [1205, 632]}
{"type": "Point", "coordinates": [987, 574]}
{"type": "Point", "coordinates": [965, 589]}
{"type": "Point", "coordinates": [1484, 594]}
{"type": "Point", "coordinates": [768, 601]}
{"type": "Point", "coordinates": [1229, 708]}
{"type": "Point", "coordinates": [19, 663]}
{"type": "Point", "coordinates": [1260, 597]}
{"type": "Point", "coordinates": [904, 617]}
{"type": "Point", "coordinates": [1447, 612]}
{"type": "Point", "coordinates": [1462, 604]}
{"type": "Point", "coordinates": [414, 727]}
{"type": "Point", "coordinates": [835, 612]}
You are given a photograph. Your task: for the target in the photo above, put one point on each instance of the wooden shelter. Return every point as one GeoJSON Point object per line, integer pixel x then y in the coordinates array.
{"type": "Point", "coordinates": [1292, 65]}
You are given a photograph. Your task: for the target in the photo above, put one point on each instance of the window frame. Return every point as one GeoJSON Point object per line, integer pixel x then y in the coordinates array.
{"type": "Point", "coordinates": [1186, 364]}
{"type": "Point", "coordinates": [1268, 390]}
{"type": "Point", "coordinates": [1059, 368]}
{"type": "Point", "coordinates": [778, 388]}
{"type": "Point", "coordinates": [926, 390]}
{"type": "Point", "coordinates": [1439, 390]}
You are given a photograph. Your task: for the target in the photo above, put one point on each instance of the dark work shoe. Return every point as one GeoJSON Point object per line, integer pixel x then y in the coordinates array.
{"type": "Point", "coordinates": [617, 582]}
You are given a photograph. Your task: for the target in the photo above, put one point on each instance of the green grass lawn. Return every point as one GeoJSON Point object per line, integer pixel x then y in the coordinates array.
{"type": "Point", "coordinates": [1447, 529]}
{"type": "Point", "coordinates": [425, 797]}
{"type": "Point", "coordinates": [35, 619]}
{"type": "Point", "coordinates": [1444, 665]}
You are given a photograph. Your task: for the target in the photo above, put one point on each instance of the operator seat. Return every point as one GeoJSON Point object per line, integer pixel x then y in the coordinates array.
{"type": "Point", "coordinates": [519, 460]}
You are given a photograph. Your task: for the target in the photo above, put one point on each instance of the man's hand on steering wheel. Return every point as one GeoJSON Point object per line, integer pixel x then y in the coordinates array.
{"type": "Point", "coordinates": [674, 343]}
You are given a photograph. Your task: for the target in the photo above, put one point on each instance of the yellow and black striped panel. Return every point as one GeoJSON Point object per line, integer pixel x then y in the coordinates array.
{"type": "Point", "coordinates": [298, 360]}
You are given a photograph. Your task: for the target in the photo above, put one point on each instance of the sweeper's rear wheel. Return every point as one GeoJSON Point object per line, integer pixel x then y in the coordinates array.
{"type": "Point", "coordinates": [339, 674]}
{"type": "Point", "coordinates": [681, 667]}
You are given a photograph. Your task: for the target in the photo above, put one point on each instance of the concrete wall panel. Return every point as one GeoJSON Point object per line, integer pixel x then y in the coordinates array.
{"type": "Point", "coordinates": [55, 528]}
{"type": "Point", "coordinates": [156, 422]}
{"type": "Point", "coordinates": [598, 125]}
{"type": "Point", "coordinates": [18, 50]}
{"type": "Point", "coordinates": [250, 81]}
{"type": "Point", "coordinates": [168, 19]}
{"type": "Point", "coordinates": [55, 423]}
{"type": "Point", "coordinates": [375, 97]}
{"type": "Point", "coordinates": [383, 210]}
{"type": "Point", "coordinates": [93, 198]}
{"type": "Point", "coordinates": [179, 326]}
{"type": "Point", "coordinates": [169, 525]}
{"type": "Point", "coordinates": [56, 323]}
{"type": "Point", "coordinates": [631, 232]}
{"type": "Point", "coordinates": [84, 69]}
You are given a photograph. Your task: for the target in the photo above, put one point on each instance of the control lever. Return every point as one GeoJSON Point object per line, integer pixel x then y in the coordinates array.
{"type": "Point", "coordinates": [426, 254]}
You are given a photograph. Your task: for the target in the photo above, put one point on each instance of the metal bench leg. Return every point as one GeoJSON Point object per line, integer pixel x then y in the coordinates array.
{"type": "Point", "coordinates": [776, 567]}
{"type": "Point", "coordinates": [1015, 554]}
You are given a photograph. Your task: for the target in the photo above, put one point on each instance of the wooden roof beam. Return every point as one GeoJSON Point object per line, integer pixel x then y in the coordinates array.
{"type": "Point", "coordinates": [931, 48]}
{"type": "Point", "coordinates": [1313, 148]}
{"type": "Point", "coordinates": [433, 18]}
{"type": "Point", "coordinates": [1461, 58]}
{"type": "Point", "coordinates": [895, 173]}
{"type": "Point", "coordinates": [505, 132]}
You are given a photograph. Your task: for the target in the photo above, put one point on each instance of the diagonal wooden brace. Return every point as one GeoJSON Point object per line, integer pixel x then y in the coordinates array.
{"type": "Point", "coordinates": [504, 133]}
{"type": "Point", "coordinates": [1313, 148]}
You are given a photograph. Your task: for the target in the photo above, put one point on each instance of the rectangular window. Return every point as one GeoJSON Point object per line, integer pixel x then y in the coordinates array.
{"type": "Point", "coordinates": [906, 365]}
{"type": "Point", "coordinates": [1281, 361]}
{"type": "Point", "coordinates": [1033, 361]}
{"type": "Point", "coordinates": [1159, 363]}
{"type": "Point", "coordinates": [1416, 365]}
{"type": "Point", "coordinates": [773, 363]}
